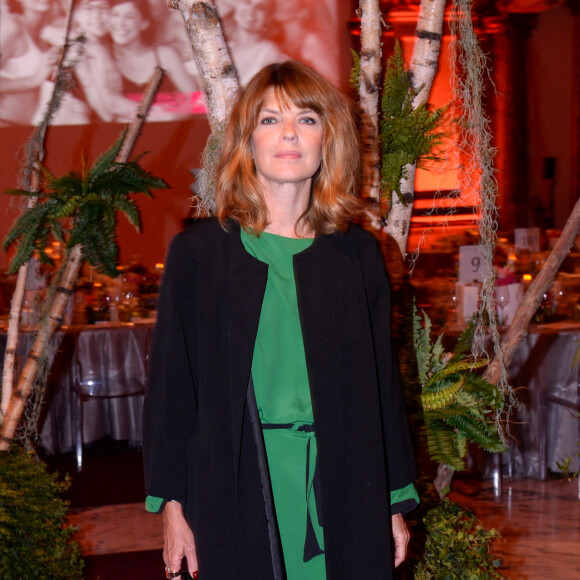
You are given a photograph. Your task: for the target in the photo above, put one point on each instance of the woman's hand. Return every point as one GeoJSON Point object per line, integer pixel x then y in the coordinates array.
{"type": "Point", "coordinates": [178, 539]}
{"type": "Point", "coordinates": [401, 537]}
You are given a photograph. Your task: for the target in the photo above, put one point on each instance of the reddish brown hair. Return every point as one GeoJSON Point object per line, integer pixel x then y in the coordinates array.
{"type": "Point", "coordinates": [333, 199]}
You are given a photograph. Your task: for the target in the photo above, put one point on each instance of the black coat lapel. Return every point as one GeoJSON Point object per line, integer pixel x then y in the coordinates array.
{"type": "Point", "coordinates": [247, 284]}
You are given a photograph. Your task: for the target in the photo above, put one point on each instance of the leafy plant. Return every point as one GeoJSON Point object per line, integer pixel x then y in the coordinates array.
{"type": "Point", "coordinates": [457, 545]}
{"type": "Point", "coordinates": [564, 463]}
{"type": "Point", "coordinates": [80, 208]}
{"type": "Point", "coordinates": [35, 541]}
{"type": "Point", "coordinates": [459, 405]}
{"type": "Point", "coordinates": [407, 135]}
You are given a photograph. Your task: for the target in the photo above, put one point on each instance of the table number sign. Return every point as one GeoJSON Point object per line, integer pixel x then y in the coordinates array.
{"type": "Point", "coordinates": [527, 239]}
{"type": "Point", "coordinates": [472, 265]}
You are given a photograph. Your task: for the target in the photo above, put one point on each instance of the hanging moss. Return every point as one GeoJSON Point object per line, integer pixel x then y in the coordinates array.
{"type": "Point", "coordinates": [35, 541]}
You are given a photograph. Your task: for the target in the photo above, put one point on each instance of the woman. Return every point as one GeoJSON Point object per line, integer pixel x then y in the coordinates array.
{"type": "Point", "coordinates": [114, 75]}
{"type": "Point", "coordinates": [25, 60]}
{"type": "Point", "coordinates": [135, 53]}
{"type": "Point", "coordinates": [274, 419]}
{"type": "Point", "coordinates": [247, 36]}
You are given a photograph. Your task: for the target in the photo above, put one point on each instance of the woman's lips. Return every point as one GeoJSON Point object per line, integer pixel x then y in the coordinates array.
{"type": "Point", "coordinates": [288, 155]}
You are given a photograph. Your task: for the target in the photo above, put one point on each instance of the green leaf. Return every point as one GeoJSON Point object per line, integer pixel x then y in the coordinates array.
{"type": "Point", "coordinates": [106, 160]}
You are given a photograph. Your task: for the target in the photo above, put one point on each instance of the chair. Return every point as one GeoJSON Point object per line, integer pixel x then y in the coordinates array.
{"type": "Point", "coordinates": [109, 365]}
{"type": "Point", "coordinates": [97, 387]}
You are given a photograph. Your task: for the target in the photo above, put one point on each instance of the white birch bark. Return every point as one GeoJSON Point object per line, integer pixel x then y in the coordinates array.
{"type": "Point", "coordinates": [212, 57]}
{"type": "Point", "coordinates": [422, 71]}
{"type": "Point", "coordinates": [35, 156]}
{"type": "Point", "coordinates": [369, 85]}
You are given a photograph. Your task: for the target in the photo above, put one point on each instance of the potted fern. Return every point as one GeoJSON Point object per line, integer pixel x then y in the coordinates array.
{"type": "Point", "coordinates": [458, 407]}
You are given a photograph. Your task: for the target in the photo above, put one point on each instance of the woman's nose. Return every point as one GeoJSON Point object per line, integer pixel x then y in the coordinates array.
{"type": "Point", "coordinates": [288, 131]}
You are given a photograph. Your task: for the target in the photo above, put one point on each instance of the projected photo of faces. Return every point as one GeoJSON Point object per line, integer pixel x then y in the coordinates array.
{"type": "Point", "coordinates": [116, 45]}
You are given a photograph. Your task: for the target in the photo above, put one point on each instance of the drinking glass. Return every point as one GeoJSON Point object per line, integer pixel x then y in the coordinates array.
{"type": "Point", "coordinates": [502, 299]}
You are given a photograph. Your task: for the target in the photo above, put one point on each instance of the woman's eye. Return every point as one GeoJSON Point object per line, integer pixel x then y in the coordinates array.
{"type": "Point", "coordinates": [267, 121]}
{"type": "Point", "coordinates": [308, 120]}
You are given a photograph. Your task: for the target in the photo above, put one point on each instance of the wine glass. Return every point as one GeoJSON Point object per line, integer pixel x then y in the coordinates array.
{"type": "Point", "coordinates": [502, 299]}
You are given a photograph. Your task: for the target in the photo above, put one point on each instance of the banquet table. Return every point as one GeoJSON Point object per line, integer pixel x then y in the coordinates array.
{"type": "Point", "coordinates": [115, 353]}
{"type": "Point", "coordinates": [546, 362]}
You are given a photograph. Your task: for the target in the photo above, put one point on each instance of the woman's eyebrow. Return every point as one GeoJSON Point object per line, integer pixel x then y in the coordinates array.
{"type": "Point", "coordinates": [277, 111]}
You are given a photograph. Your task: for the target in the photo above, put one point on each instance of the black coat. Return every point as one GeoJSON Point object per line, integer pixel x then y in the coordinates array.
{"type": "Point", "coordinates": [198, 442]}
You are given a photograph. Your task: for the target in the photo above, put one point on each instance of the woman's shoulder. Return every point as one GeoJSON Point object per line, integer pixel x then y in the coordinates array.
{"type": "Point", "coordinates": [356, 235]}
{"type": "Point", "coordinates": [207, 231]}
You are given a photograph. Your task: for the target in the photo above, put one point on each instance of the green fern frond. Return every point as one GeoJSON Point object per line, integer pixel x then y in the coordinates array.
{"type": "Point", "coordinates": [477, 431]}
{"type": "Point", "coordinates": [25, 224]}
{"type": "Point", "coordinates": [456, 368]}
{"type": "Point", "coordinates": [354, 78]}
{"type": "Point", "coordinates": [100, 248]}
{"type": "Point", "coordinates": [396, 85]}
{"type": "Point", "coordinates": [31, 230]}
{"type": "Point", "coordinates": [441, 443]}
{"type": "Point", "coordinates": [129, 208]}
{"type": "Point", "coordinates": [464, 342]}
{"type": "Point", "coordinates": [487, 393]}
{"type": "Point", "coordinates": [106, 160]}
{"type": "Point", "coordinates": [407, 134]}
{"type": "Point", "coordinates": [67, 209]}
{"type": "Point", "coordinates": [57, 231]}
{"type": "Point", "coordinates": [422, 343]}
{"type": "Point", "coordinates": [441, 398]}
{"type": "Point", "coordinates": [67, 186]}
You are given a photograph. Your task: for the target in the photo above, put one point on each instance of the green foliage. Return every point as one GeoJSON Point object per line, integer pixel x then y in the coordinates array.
{"type": "Point", "coordinates": [407, 135]}
{"type": "Point", "coordinates": [355, 71]}
{"type": "Point", "coordinates": [458, 403]}
{"type": "Point", "coordinates": [34, 539]}
{"type": "Point", "coordinates": [81, 208]}
{"type": "Point", "coordinates": [457, 546]}
{"type": "Point", "coordinates": [564, 464]}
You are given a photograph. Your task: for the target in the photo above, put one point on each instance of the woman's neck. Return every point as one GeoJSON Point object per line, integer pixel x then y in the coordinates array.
{"type": "Point", "coordinates": [128, 51]}
{"type": "Point", "coordinates": [286, 204]}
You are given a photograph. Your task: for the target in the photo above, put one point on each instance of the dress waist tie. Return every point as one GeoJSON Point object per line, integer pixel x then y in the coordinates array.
{"type": "Point", "coordinates": [314, 540]}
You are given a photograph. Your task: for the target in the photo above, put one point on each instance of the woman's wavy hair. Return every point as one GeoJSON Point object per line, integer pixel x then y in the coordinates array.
{"type": "Point", "coordinates": [334, 198]}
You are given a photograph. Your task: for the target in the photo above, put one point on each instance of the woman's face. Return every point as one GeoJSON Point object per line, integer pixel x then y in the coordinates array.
{"type": "Point", "coordinates": [250, 14]}
{"type": "Point", "coordinates": [96, 18]}
{"type": "Point", "coordinates": [126, 23]}
{"type": "Point", "coordinates": [286, 143]}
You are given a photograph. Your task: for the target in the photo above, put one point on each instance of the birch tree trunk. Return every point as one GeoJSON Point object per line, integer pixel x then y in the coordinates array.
{"type": "Point", "coordinates": [65, 288]}
{"type": "Point", "coordinates": [422, 72]}
{"type": "Point", "coordinates": [533, 297]}
{"type": "Point", "coordinates": [369, 86]}
{"type": "Point", "coordinates": [212, 57]}
{"type": "Point", "coordinates": [31, 182]}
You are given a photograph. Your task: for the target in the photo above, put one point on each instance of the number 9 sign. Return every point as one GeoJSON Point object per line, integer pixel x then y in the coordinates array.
{"type": "Point", "coordinates": [472, 266]}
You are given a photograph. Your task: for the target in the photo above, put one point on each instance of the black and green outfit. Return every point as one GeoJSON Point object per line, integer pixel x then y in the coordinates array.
{"type": "Point", "coordinates": [282, 390]}
{"type": "Point", "coordinates": [342, 427]}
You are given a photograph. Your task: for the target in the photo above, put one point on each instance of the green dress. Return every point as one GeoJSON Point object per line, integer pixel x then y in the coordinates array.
{"type": "Point", "coordinates": [285, 408]}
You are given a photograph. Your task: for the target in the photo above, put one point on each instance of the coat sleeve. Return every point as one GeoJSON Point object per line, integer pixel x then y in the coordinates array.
{"type": "Point", "coordinates": [399, 449]}
{"type": "Point", "coordinates": [170, 408]}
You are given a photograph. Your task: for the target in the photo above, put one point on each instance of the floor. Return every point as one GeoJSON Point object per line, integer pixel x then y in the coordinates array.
{"type": "Point", "coordinates": [539, 521]}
